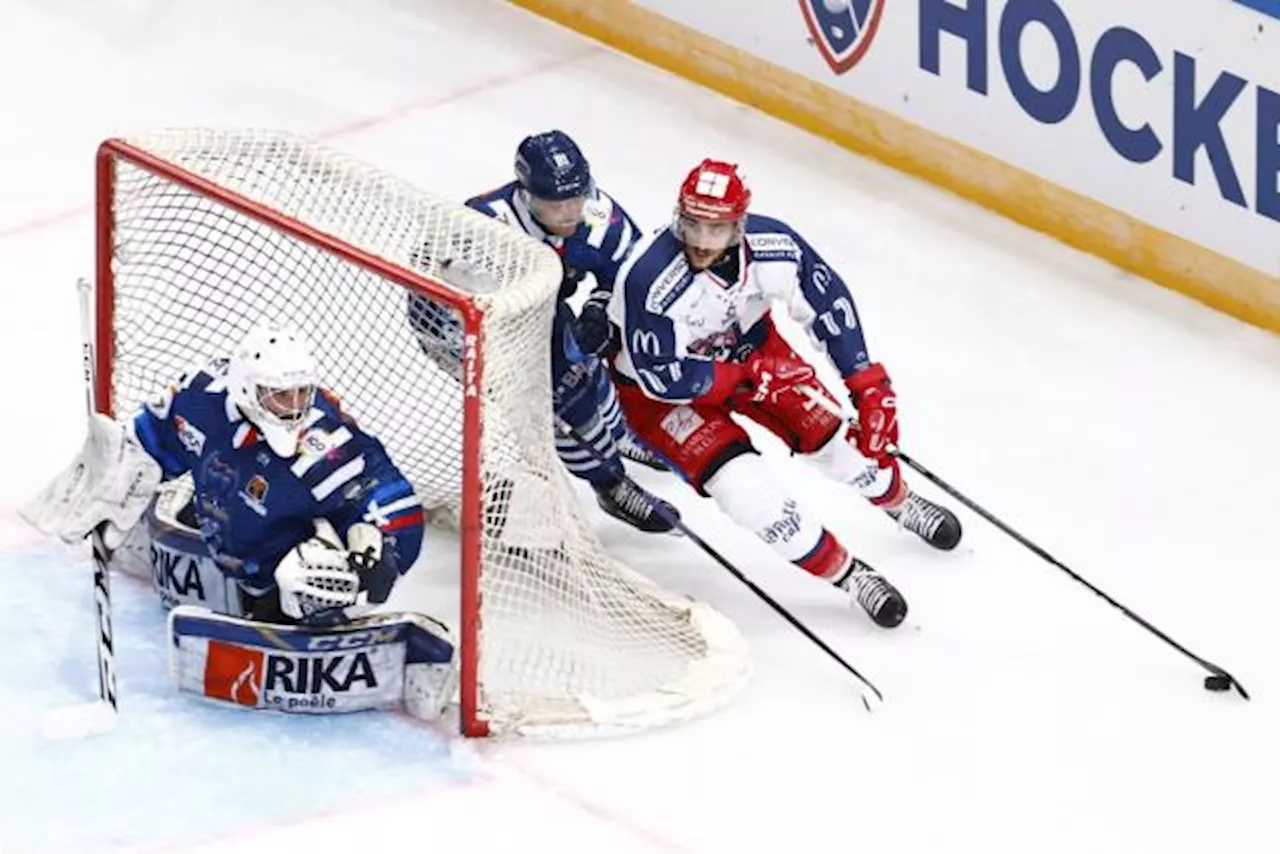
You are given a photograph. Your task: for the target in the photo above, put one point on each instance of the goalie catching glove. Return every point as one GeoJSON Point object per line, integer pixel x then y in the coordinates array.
{"type": "Point", "coordinates": [322, 583]}
{"type": "Point", "coordinates": [111, 480]}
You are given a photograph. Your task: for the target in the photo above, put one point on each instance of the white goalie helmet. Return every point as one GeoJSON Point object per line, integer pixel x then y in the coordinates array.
{"type": "Point", "coordinates": [271, 378]}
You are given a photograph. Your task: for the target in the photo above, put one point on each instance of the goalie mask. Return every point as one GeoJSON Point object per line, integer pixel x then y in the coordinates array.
{"type": "Point", "coordinates": [711, 212]}
{"type": "Point", "coordinates": [271, 378]}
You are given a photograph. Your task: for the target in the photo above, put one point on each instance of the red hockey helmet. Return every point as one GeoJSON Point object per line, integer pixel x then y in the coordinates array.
{"type": "Point", "coordinates": [715, 191]}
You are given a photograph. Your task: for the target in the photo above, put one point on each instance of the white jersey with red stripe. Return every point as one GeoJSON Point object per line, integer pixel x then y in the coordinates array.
{"type": "Point", "coordinates": [677, 322]}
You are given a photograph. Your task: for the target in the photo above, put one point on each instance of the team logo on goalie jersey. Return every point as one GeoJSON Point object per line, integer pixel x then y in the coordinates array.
{"type": "Point", "coordinates": [191, 438]}
{"type": "Point", "coordinates": [254, 494]}
{"type": "Point", "coordinates": [842, 30]}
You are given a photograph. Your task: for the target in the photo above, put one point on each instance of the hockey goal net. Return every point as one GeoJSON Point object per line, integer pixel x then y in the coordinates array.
{"type": "Point", "coordinates": [203, 233]}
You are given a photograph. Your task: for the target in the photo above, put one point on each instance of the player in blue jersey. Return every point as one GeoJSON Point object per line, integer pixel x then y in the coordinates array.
{"type": "Point", "coordinates": [291, 513]}
{"type": "Point", "coordinates": [697, 344]}
{"type": "Point", "coordinates": [271, 524]}
{"type": "Point", "coordinates": [555, 200]}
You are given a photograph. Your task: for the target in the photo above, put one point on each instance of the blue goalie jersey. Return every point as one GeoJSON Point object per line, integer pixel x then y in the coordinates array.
{"type": "Point", "coordinates": [253, 506]}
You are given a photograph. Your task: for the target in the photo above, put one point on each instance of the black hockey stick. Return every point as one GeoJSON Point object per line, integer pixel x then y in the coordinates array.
{"type": "Point", "coordinates": [1218, 680]}
{"type": "Point", "coordinates": [102, 607]}
{"type": "Point", "coordinates": [679, 525]}
{"type": "Point", "coordinates": [101, 581]}
{"type": "Point", "coordinates": [102, 714]}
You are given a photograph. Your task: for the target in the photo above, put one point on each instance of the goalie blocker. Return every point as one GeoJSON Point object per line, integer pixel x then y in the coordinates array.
{"type": "Point", "coordinates": [376, 662]}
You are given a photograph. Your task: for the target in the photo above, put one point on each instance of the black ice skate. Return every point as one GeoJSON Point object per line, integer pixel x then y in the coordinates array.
{"type": "Point", "coordinates": [632, 450]}
{"type": "Point", "coordinates": [880, 599]}
{"type": "Point", "coordinates": [934, 524]}
{"type": "Point", "coordinates": [624, 500]}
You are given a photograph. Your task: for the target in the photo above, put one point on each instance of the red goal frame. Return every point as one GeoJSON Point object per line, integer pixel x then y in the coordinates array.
{"type": "Point", "coordinates": [114, 150]}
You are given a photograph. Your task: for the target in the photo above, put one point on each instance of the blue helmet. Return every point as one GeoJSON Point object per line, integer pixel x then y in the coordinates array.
{"type": "Point", "coordinates": [550, 166]}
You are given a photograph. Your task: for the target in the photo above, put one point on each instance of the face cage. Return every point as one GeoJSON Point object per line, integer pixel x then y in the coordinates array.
{"type": "Point", "coordinates": [286, 407]}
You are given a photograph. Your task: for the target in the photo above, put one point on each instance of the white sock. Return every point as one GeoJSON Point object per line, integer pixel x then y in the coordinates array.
{"type": "Point", "coordinates": [841, 462]}
{"type": "Point", "coordinates": [748, 493]}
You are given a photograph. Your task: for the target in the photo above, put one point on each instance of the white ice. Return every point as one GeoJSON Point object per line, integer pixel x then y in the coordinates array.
{"type": "Point", "coordinates": [1130, 431]}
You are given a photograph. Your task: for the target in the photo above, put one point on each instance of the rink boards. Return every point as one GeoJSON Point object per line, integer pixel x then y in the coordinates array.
{"type": "Point", "coordinates": [1148, 137]}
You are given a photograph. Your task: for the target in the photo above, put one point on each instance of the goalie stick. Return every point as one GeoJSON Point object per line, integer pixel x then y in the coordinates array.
{"type": "Point", "coordinates": [1218, 680]}
{"type": "Point", "coordinates": [101, 715]}
{"type": "Point", "coordinates": [683, 528]}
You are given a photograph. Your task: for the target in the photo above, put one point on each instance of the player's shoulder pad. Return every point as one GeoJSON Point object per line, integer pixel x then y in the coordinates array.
{"type": "Point", "coordinates": [658, 269]}
{"type": "Point", "coordinates": [330, 405]}
{"type": "Point", "coordinates": [199, 396]}
{"type": "Point", "coordinates": [600, 210]}
{"type": "Point", "coordinates": [770, 239]}
{"type": "Point", "coordinates": [371, 663]}
{"type": "Point", "coordinates": [496, 203]}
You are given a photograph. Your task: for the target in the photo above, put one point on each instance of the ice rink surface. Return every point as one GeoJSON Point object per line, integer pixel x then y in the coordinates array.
{"type": "Point", "coordinates": [1132, 432]}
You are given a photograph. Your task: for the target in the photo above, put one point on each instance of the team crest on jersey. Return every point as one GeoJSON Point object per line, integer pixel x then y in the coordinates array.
{"type": "Point", "coordinates": [192, 439]}
{"type": "Point", "coordinates": [718, 345]}
{"type": "Point", "coordinates": [842, 29]}
{"type": "Point", "coordinates": [255, 494]}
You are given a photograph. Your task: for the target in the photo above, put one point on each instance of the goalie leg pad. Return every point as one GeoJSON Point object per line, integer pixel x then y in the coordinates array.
{"type": "Point", "coordinates": [378, 662]}
{"type": "Point", "coordinates": [173, 555]}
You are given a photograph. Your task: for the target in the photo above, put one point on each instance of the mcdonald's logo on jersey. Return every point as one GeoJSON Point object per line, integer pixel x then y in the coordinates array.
{"type": "Point", "coordinates": [842, 29]}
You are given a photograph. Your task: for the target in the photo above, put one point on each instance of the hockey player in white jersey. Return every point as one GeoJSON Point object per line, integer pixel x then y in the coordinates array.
{"type": "Point", "coordinates": [245, 490]}
{"type": "Point", "coordinates": [697, 343]}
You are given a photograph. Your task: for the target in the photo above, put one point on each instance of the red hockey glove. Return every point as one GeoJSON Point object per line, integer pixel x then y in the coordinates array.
{"type": "Point", "coordinates": [771, 376]}
{"type": "Point", "coordinates": [728, 378]}
{"type": "Point", "coordinates": [877, 405]}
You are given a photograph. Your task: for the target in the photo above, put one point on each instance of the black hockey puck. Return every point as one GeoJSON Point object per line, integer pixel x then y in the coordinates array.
{"type": "Point", "coordinates": [1217, 683]}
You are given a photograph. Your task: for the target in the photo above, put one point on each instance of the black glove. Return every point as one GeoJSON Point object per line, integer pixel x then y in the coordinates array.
{"type": "Point", "coordinates": [593, 329]}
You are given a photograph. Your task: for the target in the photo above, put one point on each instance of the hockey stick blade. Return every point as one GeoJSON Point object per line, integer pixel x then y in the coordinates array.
{"type": "Point", "coordinates": [101, 715]}
{"type": "Point", "coordinates": [1218, 675]}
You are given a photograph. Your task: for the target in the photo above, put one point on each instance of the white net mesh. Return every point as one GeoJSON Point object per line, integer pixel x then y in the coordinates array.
{"type": "Point", "coordinates": [570, 641]}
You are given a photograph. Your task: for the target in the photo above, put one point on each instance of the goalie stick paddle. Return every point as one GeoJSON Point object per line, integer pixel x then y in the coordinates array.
{"type": "Point", "coordinates": [101, 714]}
{"type": "Point", "coordinates": [102, 610]}
{"type": "Point", "coordinates": [1218, 680]}
{"type": "Point", "coordinates": [738, 574]}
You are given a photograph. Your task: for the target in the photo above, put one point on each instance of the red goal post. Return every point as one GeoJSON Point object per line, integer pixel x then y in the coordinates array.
{"type": "Point", "coordinates": [201, 233]}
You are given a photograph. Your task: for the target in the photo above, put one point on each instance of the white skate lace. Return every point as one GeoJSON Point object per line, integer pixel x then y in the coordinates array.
{"type": "Point", "coordinates": [632, 500]}
{"type": "Point", "coordinates": [632, 450]}
{"type": "Point", "coordinates": [871, 590]}
{"type": "Point", "coordinates": [920, 516]}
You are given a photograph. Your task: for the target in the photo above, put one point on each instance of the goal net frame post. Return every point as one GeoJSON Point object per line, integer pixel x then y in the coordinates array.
{"type": "Point", "coordinates": [471, 722]}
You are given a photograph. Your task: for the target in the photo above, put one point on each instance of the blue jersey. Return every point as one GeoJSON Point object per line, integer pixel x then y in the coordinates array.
{"type": "Point", "coordinates": [597, 248]}
{"type": "Point", "coordinates": [677, 322]}
{"type": "Point", "coordinates": [254, 506]}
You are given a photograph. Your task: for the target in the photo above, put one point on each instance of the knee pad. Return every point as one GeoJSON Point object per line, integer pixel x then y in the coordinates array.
{"type": "Point", "coordinates": [748, 493]}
